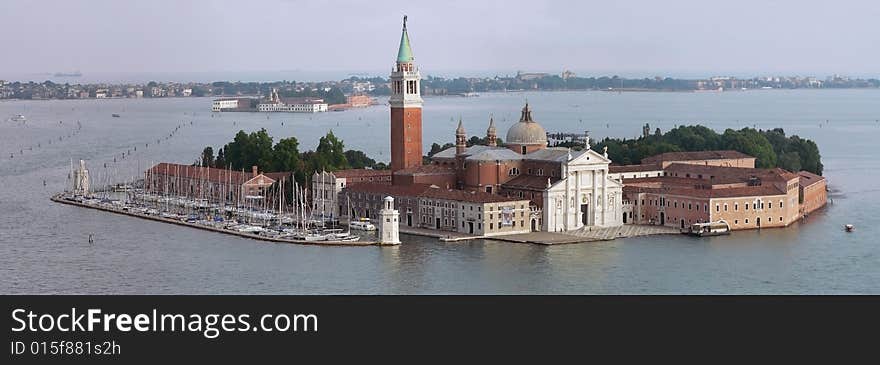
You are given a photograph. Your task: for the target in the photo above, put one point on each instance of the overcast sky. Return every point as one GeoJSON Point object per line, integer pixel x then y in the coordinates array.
{"type": "Point", "coordinates": [669, 37]}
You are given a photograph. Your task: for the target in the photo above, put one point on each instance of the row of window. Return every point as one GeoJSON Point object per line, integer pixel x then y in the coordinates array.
{"type": "Point", "coordinates": [755, 205]}
{"type": "Point", "coordinates": [757, 221]}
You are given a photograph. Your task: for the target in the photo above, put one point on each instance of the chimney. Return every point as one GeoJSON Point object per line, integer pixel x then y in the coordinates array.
{"type": "Point", "coordinates": [254, 169]}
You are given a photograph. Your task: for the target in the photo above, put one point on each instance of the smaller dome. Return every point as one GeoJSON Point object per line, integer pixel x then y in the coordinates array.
{"type": "Point", "coordinates": [526, 131]}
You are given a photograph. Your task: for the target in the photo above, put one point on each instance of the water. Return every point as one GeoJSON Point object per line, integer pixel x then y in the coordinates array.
{"type": "Point", "coordinates": [44, 246]}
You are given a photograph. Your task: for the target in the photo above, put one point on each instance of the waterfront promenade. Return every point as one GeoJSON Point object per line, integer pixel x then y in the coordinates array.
{"type": "Point", "coordinates": [552, 238]}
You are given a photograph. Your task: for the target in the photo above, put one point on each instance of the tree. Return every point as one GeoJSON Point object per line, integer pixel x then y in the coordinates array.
{"type": "Point", "coordinates": [220, 161]}
{"type": "Point", "coordinates": [286, 157]}
{"type": "Point", "coordinates": [208, 157]}
{"type": "Point", "coordinates": [751, 142]}
{"type": "Point", "coordinates": [331, 153]}
{"type": "Point", "coordinates": [359, 159]}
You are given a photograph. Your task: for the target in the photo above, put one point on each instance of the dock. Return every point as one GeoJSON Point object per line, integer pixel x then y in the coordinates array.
{"type": "Point", "coordinates": [57, 198]}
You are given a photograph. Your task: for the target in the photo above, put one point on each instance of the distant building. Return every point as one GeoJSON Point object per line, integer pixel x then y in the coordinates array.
{"type": "Point", "coordinates": [292, 105]}
{"type": "Point", "coordinates": [233, 104]}
{"type": "Point", "coordinates": [356, 101]}
{"type": "Point", "coordinates": [528, 76]}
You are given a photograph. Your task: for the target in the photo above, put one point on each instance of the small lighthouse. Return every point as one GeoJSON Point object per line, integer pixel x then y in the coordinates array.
{"type": "Point", "coordinates": [389, 231]}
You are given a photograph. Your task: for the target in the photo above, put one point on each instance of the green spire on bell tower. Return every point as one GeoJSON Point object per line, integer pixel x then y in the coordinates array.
{"type": "Point", "coordinates": [405, 52]}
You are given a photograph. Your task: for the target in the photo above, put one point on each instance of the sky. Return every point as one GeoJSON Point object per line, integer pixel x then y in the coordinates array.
{"type": "Point", "coordinates": [683, 38]}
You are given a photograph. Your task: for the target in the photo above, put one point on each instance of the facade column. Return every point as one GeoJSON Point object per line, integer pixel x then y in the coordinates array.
{"type": "Point", "coordinates": [577, 197]}
{"type": "Point", "coordinates": [593, 201]}
{"type": "Point", "coordinates": [567, 202]}
{"type": "Point", "coordinates": [604, 195]}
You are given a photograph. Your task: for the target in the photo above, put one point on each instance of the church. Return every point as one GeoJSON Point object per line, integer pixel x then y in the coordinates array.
{"type": "Point", "coordinates": [544, 188]}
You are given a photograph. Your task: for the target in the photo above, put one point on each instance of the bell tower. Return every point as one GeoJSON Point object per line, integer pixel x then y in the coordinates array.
{"type": "Point", "coordinates": [406, 109]}
{"type": "Point", "coordinates": [460, 139]}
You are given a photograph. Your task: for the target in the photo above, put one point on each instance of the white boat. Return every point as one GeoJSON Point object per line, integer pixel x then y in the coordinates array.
{"type": "Point", "coordinates": [18, 118]}
{"type": "Point", "coordinates": [249, 229]}
{"type": "Point", "coordinates": [313, 237]}
{"type": "Point", "coordinates": [362, 224]}
{"type": "Point", "coordinates": [709, 229]}
{"type": "Point", "coordinates": [849, 227]}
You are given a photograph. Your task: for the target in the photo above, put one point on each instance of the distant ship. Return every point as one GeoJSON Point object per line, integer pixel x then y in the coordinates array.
{"type": "Point", "coordinates": [115, 115]}
{"type": "Point", "coordinates": [72, 74]}
{"type": "Point", "coordinates": [18, 118]}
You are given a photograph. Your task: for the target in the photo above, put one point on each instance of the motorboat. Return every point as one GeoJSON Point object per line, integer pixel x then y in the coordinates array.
{"type": "Point", "coordinates": [362, 224]}
{"type": "Point", "coordinates": [18, 118]}
{"type": "Point", "coordinates": [849, 227]}
{"type": "Point", "coordinates": [709, 229]}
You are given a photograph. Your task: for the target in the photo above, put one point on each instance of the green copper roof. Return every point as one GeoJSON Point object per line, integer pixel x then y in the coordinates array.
{"type": "Point", "coordinates": [405, 52]}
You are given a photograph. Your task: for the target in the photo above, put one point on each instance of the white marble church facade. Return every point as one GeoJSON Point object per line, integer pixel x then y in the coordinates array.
{"type": "Point", "coordinates": [585, 196]}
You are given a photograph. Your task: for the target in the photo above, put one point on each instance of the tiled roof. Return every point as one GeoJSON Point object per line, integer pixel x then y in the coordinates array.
{"type": "Point", "coordinates": [466, 196]}
{"type": "Point", "coordinates": [361, 173]}
{"type": "Point", "coordinates": [393, 190]}
{"type": "Point", "coordinates": [557, 154]}
{"type": "Point", "coordinates": [695, 155]}
{"type": "Point", "coordinates": [426, 170]}
{"type": "Point", "coordinates": [633, 168]}
{"type": "Point", "coordinates": [472, 150]}
{"type": "Point", "coordinates": [530, 182]}
{"type": "Point", "coordinates": [278, 175]}
{"type": "Point", "coordinates": [498, 153]}
{"type": "Point", "coordinates": [726, 174]}
{"type": "Point", "coordinates": [746, 191]}
{"type": "Point", "coordinates": [197, 172]}
{"type": "Point", "coordinates": [429, 191]}
{"type": "Point", "coordinates": [806, 178]}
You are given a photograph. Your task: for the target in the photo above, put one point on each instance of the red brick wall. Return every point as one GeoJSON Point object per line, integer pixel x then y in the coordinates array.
{"type": "Point", "coordinates": [406, 138]}
{"type": "Point", "coordinates": [815, 197]}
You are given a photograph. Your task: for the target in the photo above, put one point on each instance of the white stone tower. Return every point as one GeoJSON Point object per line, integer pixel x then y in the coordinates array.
{"type": "Point", "coordinates": [389, 231]}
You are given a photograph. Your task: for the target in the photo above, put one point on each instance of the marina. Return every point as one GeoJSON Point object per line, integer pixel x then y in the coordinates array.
{"type": "Point", "coordinates": [235, 210]}
{"type": "Point", "coordinates": [230, 228]}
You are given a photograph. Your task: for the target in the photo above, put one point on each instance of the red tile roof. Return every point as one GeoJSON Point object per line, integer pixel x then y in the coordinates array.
{"type": "Point", "coordinates": [529, 182]}
{"type": "Point", "coordinates": [806, 178]}
{"type": "Point", "coordinates": [210, 174]}
{"type": "Point", "coordinates": [466, 196]}
{"type": "Point", "coordinates": [746, 191]}
{"type": "Point", "coordinates": [197, 172]}
{"type": "Point", "coordinates": [393, 190]}
{"type": "Point", "coordinates": [426, 170]}
{"type": "Point", "coordinates": [634, 168]}
{"type": "Point", "coordinates": [695, 155]}
{"type": "Point", "coordinates": [428, 191]}
{"type": "Point", "coordinates": [361, 173]}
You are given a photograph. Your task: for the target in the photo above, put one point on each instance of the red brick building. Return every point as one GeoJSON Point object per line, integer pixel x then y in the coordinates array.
{"type": "Point", "coordinates": [216, 185]}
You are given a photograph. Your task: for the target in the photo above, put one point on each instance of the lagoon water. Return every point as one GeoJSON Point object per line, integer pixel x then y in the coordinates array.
{"type": "Point", "coordinates": [44, 246]}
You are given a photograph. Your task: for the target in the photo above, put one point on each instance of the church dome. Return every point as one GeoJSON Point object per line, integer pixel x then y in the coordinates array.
{"type": "Point", "coordinates": [526, 131]}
